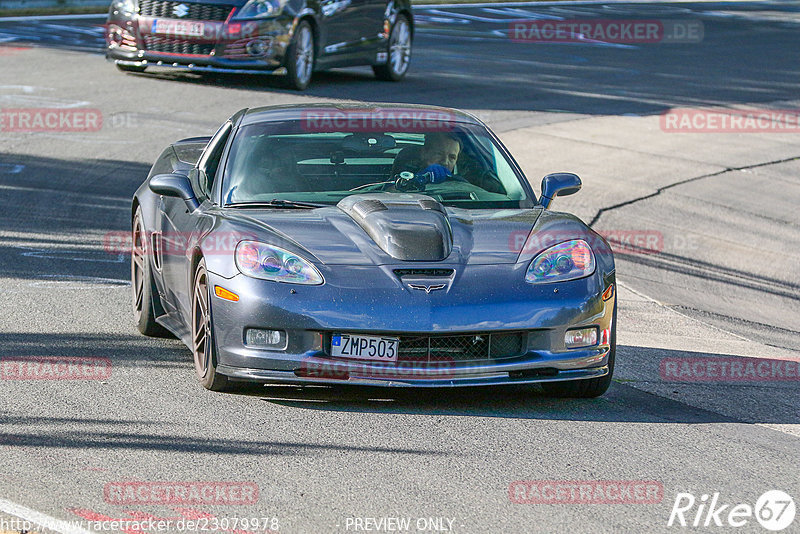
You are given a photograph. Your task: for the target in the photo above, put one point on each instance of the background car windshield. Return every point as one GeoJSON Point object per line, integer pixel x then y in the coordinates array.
{"type": "Point", "coordinates": [459, 166]}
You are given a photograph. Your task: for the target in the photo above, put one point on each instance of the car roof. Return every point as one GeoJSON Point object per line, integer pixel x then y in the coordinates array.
{"type": "Point", "coordinates": [337, 109]}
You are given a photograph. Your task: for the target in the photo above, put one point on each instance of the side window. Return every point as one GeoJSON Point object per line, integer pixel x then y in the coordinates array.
{"type": "Point", "coordinates": [209, 163]}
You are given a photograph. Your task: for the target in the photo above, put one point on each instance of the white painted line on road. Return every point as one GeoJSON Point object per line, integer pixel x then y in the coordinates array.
{"type": "Point", "coordinates": [42, 521]}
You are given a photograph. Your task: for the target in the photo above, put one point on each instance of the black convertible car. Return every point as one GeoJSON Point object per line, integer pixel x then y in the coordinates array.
{"type": "Point", "coordinates": [291, 37]}
{"type": "Point", "coordinates": [375, 245]}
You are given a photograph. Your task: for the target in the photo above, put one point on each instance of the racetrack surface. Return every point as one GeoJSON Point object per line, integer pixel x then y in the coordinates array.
{"type": "Point", "coordinates": [719, 279]}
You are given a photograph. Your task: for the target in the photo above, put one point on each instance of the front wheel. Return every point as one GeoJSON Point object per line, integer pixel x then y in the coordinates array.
{"type": "Point", "coordinates": [399, 53]}
{"type": "Point", "coordinates": [300, 58]}
{"type": "Point", "coordinates": [142, 283]}
{"type": "Point", "coordinates": [203, 347]}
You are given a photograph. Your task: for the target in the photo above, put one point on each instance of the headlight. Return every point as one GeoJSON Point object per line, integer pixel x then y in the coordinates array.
{"type": "Point", "coordinates": [126, 7]}
{"type": "Point", "coordinates": [258, 9]}
{"type": "Point", "coordinates": [269, 262]}
{"type": "Point", "coordinates": [565, 261]}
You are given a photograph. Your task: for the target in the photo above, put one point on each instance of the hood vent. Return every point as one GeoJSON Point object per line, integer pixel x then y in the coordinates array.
{"type": "Point", "coordinates": [365, 207]}
{"type": "Point", "coordinates": [406, 226]}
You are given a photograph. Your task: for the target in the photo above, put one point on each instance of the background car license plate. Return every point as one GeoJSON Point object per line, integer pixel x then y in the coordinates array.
{"type": "Point", "coordinates": [178, 27]}
{"type": "Point", "coordinates": [365, 347]}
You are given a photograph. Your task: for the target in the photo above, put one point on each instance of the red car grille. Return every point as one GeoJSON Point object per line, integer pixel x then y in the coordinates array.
{"type": "Point", "coordinates": [165, 10]}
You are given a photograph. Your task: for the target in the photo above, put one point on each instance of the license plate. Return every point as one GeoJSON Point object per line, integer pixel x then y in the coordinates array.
{"type": "Point", "coordinates": [383, 349]}
{"type": "Point", "coordinates": [178, 27]}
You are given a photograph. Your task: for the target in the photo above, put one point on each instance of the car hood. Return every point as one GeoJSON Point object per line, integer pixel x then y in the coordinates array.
{"type": "Point", "coordinates": [377, 229]}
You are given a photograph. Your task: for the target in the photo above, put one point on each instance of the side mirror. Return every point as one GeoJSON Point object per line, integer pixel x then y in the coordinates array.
{"type": "Point", "coordinates": [174, 185]}
{"type": "Point", "coordinates": [558, 184]}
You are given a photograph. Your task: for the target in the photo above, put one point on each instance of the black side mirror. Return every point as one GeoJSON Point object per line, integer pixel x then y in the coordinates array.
{"type": "Point", "coordinates": [558, 184]}
{"type": "Point", "coordinates": [174, 185]}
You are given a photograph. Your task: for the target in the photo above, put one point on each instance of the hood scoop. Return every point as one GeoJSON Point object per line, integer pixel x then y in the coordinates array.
{"type": "Point", "coordinates": [406, 226]}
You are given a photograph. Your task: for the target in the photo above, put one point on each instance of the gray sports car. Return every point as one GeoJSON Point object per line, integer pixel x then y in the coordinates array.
{"type": "Point", "coordinates": [389, 245]}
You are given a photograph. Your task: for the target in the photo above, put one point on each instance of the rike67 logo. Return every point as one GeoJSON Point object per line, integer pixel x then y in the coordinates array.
{"type": "Point", "coordinates": [774, 510]}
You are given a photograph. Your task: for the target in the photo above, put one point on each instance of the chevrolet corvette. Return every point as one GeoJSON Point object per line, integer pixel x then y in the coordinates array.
{"type": "Point", "coordinates": [389, 245]}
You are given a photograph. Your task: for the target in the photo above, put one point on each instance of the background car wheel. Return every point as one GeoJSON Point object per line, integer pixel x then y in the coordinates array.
{"type": "Point", "coordinates": [300, 57]}
{"type": "Point", "coordinates": [203, 347]}
{"type": "Point", "coordinates": [144, 288]}
{"type": "Point", "coordinates": [399, 55]}
{"type": "Point", "coordinates": [130, 68]}
{"type": "Point", "coordinates": [593, 387]}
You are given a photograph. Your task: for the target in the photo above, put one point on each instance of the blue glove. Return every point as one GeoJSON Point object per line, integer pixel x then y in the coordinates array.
{"type": "Point", "coordinates": [435, 173]}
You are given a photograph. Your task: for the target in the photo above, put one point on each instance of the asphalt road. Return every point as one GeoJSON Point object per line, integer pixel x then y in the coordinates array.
{"type": "Point", "coordinates": [722, 281]}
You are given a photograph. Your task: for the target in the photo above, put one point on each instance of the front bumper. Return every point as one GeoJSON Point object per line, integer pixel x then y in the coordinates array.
{"type": "Point", "coordinates": [227, 47]}
{"type": "Point", "coordinates": [371, 303]}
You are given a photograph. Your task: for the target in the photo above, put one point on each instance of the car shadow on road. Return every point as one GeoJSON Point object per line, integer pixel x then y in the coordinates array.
{"type": "Point", "coordinates": [624, 402]}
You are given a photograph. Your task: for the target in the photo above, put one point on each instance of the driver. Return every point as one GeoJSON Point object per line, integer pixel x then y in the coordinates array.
{"type": "Point", "coordinates": [434, 161]}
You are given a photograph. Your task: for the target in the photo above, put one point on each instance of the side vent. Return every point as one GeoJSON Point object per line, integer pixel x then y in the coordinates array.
{"type": "Point", "coordinates": [156, 248]}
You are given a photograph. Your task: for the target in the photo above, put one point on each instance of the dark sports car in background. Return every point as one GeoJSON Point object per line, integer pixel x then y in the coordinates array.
{"type": "Point", "coordinates": [378, 245]}
{"type": "Point", "coordinates": [291, 37]}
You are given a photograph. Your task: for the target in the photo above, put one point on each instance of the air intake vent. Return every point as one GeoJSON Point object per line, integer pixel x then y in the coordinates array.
{"type": "Point", "coordinates": [365, 207]}
{"type": "Point", "coordinates": [430, 204]}
{"type": "Point", "coordinates": [433, 273]}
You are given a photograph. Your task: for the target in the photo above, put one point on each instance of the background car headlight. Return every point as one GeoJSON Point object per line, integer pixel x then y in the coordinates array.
{"type": "Point", "coordinates": [565, 261]}
{"type": "Point", "coordinates": [257, 9]}
{"type": "Point", "coordinates": [269, 262]}
{"type": "Point", "coordinates": [126, 7]}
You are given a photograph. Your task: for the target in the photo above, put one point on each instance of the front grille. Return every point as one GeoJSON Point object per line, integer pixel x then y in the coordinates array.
{"type": "Point", "coordinates": [165, 9]}
{"type": "Point", "coordinates": [168, 45]}
{"type": "Point", "coordinates": [436, 273]}
{"type": "Point", "coordinates": [458, 348]}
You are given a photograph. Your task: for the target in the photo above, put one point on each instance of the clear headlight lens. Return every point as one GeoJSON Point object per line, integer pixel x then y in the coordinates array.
{"type": "Point", "coordinates": [565, 261]}
{"type": "Point", "coordinates": [257, 9]}
{"type": "Point", "coordinates": [269, 262]}
{"type": "Point", "coordinates": [126, 7]}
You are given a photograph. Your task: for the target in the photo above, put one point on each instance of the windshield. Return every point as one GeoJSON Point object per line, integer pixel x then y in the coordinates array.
{"type": "Point", "coordinates": [460, 166]}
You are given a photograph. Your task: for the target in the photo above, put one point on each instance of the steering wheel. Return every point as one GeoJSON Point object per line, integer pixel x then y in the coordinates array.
{"type": "Point", "coordinates": [407, 182]}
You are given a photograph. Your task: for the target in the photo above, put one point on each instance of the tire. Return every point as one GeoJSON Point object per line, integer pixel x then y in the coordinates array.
{"type": "Point", "coordinates": [203, 346]}
{"type": "Point", "coordinates": [130, 68]}
{"type": "Point", "coordinates": [300, 57]}
{"type": "Point", "coordinates": [142, 283]}
{"type": "Point", "coordinates": [591, 387]}
{"type": "Point", "coordinates": [399, 52]}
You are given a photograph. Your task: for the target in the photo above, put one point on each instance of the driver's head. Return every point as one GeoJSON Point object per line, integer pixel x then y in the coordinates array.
{"type": "Point", "coordinates": [441, 149]}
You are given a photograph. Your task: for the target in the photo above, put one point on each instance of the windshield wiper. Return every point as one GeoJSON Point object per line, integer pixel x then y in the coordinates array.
{"type": "Point", "coordinates": [277, 203]}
